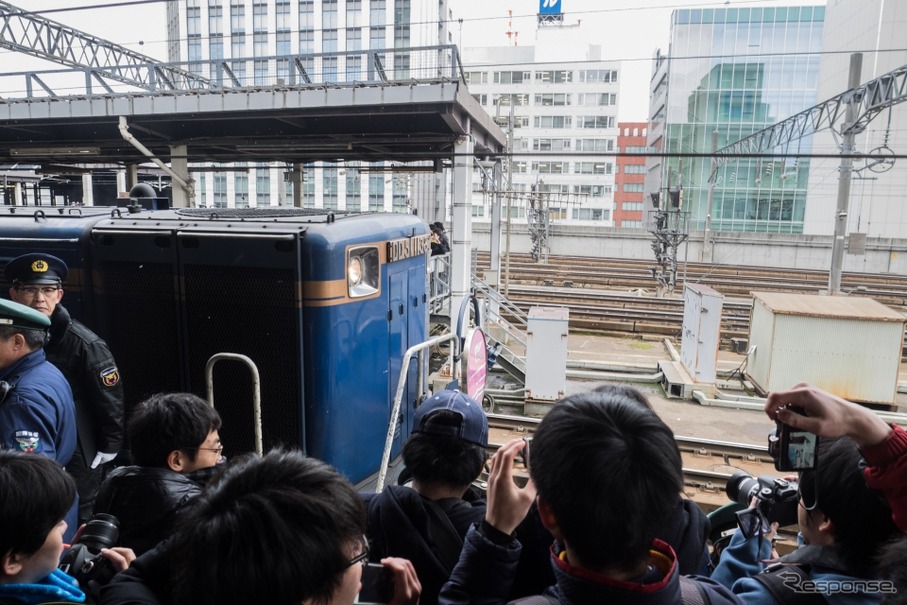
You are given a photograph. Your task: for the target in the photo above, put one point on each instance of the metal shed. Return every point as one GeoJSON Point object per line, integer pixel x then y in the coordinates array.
{"type": "Point", "coordinates": [849, 346]}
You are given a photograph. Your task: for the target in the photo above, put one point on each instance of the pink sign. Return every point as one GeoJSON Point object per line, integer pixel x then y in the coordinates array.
{"type": "Point", "coordinates": [476, 369]}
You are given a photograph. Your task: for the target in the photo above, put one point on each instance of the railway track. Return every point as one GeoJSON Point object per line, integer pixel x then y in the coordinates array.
{"type": "Point", "coordinates": [616, 296]}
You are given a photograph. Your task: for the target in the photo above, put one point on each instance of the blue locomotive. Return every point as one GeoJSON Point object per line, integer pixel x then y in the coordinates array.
{"type": "Point", "coordinates": [324, 303]}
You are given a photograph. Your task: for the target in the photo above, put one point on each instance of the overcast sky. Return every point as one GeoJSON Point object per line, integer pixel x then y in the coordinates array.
{"type": "Point", "coordinates": [627, 30]}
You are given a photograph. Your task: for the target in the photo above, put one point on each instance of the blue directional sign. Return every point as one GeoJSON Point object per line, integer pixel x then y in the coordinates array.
{"type": "Point", "coordinates": [549, 7]}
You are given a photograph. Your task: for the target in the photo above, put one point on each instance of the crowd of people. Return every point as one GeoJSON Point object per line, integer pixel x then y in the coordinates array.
{"type": "Point", "coordinates": [601, 519]}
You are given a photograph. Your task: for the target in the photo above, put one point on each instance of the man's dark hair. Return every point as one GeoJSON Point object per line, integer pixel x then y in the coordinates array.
{"type": "Point", "coordinates": [37, 493]}
{"type": "Point", "coordinates": [166, 422]}
{"type": "Point", "coordinates": [860, 516]}
{"type": "Point", "coordinates": [34, 339]}
{"type": "Point", "coordinates": [276, 529]}
{"type": "Point", "coordinates": [610, 472]}
{"type": "Point", "coordinates": [445, 459]}
{"type": "Point", "coordinates": [628, 392]}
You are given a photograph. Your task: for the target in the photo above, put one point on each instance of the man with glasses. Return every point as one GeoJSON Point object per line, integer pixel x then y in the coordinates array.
{"type": "Point", "coordinates": [174, 441]}
{"type": "Point", "coordinates": [85, 361]}
{"type": "Point", "coordinates": [280, 528]}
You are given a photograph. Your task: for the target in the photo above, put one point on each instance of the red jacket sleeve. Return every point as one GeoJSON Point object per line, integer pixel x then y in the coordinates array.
{"type": "Point", "coordinates": [887, 472]}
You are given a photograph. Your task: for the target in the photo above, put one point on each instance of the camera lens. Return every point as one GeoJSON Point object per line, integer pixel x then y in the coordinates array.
{"type": "Point", "coordinates": [101, 531]}
{"type": "Point", "coordinates": [741, 487]}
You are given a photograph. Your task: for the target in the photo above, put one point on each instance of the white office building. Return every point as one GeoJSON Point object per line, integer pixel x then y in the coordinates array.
{"type": "Point", "coordinates": [253, 43]}
{"type": "Point", "coordinates": [558, 101]}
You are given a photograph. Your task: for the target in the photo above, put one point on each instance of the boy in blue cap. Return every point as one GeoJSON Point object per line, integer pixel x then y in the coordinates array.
{"type": "Point", "coordinates": [426, 523]}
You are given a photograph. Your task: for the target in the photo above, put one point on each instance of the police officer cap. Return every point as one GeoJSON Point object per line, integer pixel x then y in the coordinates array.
{"type": "Point", "coordinates": [14, 315]}
{"type": "Point", "coordinates": [35, 268]}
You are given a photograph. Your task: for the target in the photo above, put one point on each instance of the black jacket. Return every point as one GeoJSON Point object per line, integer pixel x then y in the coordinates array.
{"type": "Point", "coordinates": [400, 525]}
{"type": "Point", "coordinates": [488, 563]}
{"type": "Point", "coordinates": [147, 502]}
{"type": "Point", "coordinates": [97, 388]}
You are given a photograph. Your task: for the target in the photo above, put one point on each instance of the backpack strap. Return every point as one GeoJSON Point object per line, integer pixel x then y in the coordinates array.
{"type": "Point", "coordinates": [692, 592]}
{"type": "Point", "coordinates": [782, 581]}
{"type": "Point", "coordinates": [445, 535]}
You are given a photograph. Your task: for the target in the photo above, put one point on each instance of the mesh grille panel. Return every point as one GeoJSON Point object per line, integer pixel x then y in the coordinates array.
{"type": "Point", "coordinates": [252, 312]}
{"type": "Point", "coordinates": [141, 324]}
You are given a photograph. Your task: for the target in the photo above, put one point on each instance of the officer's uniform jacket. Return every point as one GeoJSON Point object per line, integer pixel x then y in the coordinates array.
{"type": "Point", "coordinates": [86, 362]}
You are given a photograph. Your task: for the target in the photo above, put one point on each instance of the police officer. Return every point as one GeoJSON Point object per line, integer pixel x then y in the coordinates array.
{"type": "Point", "coordinates": [37, 413]}
{"type": "Point", "coordinates": [87, 364]}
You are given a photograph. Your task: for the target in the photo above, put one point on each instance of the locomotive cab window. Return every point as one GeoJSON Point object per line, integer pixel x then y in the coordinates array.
{"type": "Point", "coordinates": [362, 271]}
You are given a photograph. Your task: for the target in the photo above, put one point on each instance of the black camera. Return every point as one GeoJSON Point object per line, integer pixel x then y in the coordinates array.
{"type": "Point", "coordinates": [793, 449]}
{"type": "Point", "coordinates": [778, 499]}
{"type": "Point", "coordinates": [84, 561]}
{"type": "Point", "coordinates": [377, 584]}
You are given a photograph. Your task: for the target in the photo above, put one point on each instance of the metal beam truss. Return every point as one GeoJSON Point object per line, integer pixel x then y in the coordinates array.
{"type": "Point", "coordinates": [871, 98]}
{"type": "Point", "coordinates": [25, 32]}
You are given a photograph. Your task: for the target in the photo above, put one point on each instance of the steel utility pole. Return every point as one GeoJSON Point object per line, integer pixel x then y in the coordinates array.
{"type": "Point", "coordinates": [707, 237]}
{"type": "Point", "coordinates": [844, 176]}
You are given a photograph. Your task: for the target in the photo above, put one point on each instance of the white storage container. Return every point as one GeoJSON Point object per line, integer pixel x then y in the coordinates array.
{"type": "Point", "coordinates": [847, 345]}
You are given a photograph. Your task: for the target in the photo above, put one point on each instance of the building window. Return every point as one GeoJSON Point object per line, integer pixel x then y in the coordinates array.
{"type": "Point", "coordinates": [353, 13]}
{"type": "Point", "coordinates": [353, 187]}
{"type": "Point", "coordinates": [596, 99]}
{"type": "Point", "coordinates": [633, 187]}
{"type": "Point", "coordinates": [553, 121]}
{"type": "Point", "coordinates": [554, 76]}
{"type": "Point", "coordinates": [550, 168]}
{"type": "Point", "coordinates": [552, 99]}
{"type": "Point", "coordinates": [550, 144]}
{"type": "Point", "coordinates": [376, 192]}
{"type": "Point", "coordinates": [595, 122]}
{"type": "Point", "coordinates": [510, 77]}
{"type": "Point", "coordinates": [220, 190]}
{"type": "Point", "coordinates": [378, 13]}
{"type": "Point", "coordinates": [306, 41]}
{"type": "Point", "coordinates": [592, 168]}
{"type": "Point", "coordinates": [476, 77]}
{"type": "Point", "coordinates": [241, 189]}
{"type": "Point", "coordinates": [329, 41]}
{"type": "Point", "coordinates": [631, 206]}
{"type": "Point", "coordinates": [259, 17]}
{"type": "Point", "coordinates": [329, 185]}
{"type": "Point", "coordinates": [282, 16]}
{"type": "Point", "coordinates": [590, 214]}
{"type": "Point", "coordinates": [306, 14]}
{"type": "Point", "coordinates": [354, 39]}
{"type": "Point", "coordinates": [238, 19]}
{"type": "Point", "coordinates": [263, 187]}
{"type": "Point", "coordinates": [594, 144]}
{"type": "Point", "coordinates": [631, 224]}
{"type": "Point", "coordinates": [515, 99]}
{"type": "Point", "coordinates": [597, 76]}
{"type": "Point", "coordinates": [329, 14]}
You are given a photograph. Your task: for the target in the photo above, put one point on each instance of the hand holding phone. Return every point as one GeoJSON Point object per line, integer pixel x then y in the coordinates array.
{"type": "Point", "coordinates": [377, 584]}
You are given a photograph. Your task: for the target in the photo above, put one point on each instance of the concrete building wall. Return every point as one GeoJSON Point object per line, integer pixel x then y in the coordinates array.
{"type": "Point", "coordinates": [883, 255]}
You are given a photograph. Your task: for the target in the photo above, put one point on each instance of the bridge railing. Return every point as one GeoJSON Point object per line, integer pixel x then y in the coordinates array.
{"type": "Point", "coordinates": [376, 67]}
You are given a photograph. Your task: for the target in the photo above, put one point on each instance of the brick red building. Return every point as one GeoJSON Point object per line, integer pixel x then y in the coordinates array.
{"type": "Point", "coordinates": [630, 175]}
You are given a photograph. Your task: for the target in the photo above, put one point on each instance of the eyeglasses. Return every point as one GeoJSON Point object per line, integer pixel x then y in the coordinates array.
{"type": "Point", "coordinates": [217, 450]}
{"type": "Point", "coordinates": [361, 557]}
{"type": "Point", "coordinates": [32, 291]}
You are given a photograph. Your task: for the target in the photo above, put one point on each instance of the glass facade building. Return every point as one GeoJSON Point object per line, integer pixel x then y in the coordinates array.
{"type": "Point", "coordinates": [735, 71]}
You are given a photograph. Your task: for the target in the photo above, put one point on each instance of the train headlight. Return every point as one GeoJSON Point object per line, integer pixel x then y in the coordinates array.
{"type": "Point", "coordinates": [362, 271]}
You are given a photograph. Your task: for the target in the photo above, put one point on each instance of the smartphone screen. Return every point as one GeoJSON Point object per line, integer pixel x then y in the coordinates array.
{"type": "Point", "coordinates": [798, 448]}
{"type": "Point", "coordinates": [377, 584]}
